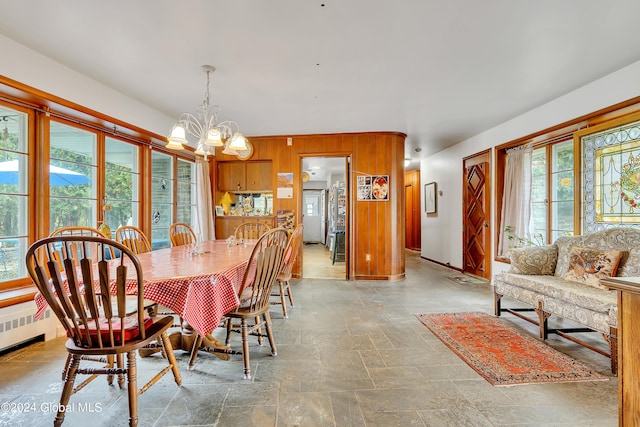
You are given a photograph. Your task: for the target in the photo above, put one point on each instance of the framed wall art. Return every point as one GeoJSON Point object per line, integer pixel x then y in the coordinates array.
{"type": "Point", "coordinates": [430, 198]}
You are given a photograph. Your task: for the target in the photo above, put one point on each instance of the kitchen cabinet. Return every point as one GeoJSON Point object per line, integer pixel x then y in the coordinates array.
{"type": "Point", "coordinates": [244, 176]}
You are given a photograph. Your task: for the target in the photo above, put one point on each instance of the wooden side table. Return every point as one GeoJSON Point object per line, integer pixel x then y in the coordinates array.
{"type": "Point", "coordinates": [628, 289]}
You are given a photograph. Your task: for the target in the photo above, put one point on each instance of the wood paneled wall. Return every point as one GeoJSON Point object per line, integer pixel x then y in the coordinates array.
{"type": "Point", "coordinates": [376, 237]}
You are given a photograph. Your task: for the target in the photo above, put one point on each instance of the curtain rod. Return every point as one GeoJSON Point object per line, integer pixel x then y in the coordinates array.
{"type": "Point", "coordinates": [112, 131]}
{"type": "Point", "coordinates": [544, 142]}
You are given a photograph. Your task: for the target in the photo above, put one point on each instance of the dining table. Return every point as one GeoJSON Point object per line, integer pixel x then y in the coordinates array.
{"type": "Point", "coordinates": [199, 283]}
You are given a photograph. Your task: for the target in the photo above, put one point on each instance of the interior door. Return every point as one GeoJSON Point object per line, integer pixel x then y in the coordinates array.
{"type": "Point", "coordinates": [409, 227]}
{"type": "Point", "coordinates": [477, 214]}
{"type": "Point", "coordinates": [323, 217]}
{"type": "Point", "coordinates": [312, 219]}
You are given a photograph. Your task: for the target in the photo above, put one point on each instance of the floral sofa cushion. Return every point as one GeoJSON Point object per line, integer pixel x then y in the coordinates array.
{"type": "Point", "coordinates": [589, 265]}
{"type": "Point", "coordinates": [538, 260]}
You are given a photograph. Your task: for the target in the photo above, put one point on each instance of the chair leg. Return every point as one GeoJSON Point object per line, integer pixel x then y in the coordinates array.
{"type": "Point", "coordinates": [282, 299]}
{"type": "Point", "coordinates": [245, 349]}
{"type": "Point", "coordinates": [272, 341]}
{"type": "Point", "coordinates": [67, 389]}
{"type": "Point", "coordinates": [227, 340]}
{"type": "Point", "coordinates": [289, 293]}
{"type": "Point", "coordinates": [66, 367]}
{"type": "Point", "coordinates": [259, 331]}
{"type": "Point", "coordinates": [110, 363]}
{"type": "Point", "coordinates": [168, 350]}
{"type": "Point", "coordinates": [120, 364]}
{"type": "Point", "coordinates": [132, 387]}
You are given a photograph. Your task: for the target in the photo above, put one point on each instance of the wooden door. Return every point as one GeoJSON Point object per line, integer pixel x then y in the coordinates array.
{"type": "Point", "coordinates": [412, 210]}
{"type": "Point", "coordinates": [477, 215]}
{"type": "Point", "coordinates": [408, 214]}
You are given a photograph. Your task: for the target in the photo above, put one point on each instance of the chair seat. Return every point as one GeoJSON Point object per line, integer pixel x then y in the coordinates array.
{"type": "Point", "coordinates": [131, 330]}
{"type": "Point", "coordinates": [153, 327]}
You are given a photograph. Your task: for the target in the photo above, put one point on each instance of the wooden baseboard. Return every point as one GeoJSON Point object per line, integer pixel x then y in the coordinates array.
{"type": "Point", "coordinates": [388, 278]}
{"type": "Point", "coordinates": [443, 264]}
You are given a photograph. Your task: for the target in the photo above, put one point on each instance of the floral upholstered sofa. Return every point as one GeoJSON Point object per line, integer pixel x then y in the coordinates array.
{"type": "Point", "coordinates": [563, 279]}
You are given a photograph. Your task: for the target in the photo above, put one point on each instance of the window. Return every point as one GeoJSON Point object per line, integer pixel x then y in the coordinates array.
{"type": "Point", "coordinates": [552, 192]}
{"type": "Point", "coordinates": [161, 199]}
{"type": "Point", "coordinates": [186, 196]}
{"type": "Point", "coordinates": [73, 171]}
{"type": "Point", "coordinates": [14, 193]}
{"type": "Point", "coordinates": [122, 183]}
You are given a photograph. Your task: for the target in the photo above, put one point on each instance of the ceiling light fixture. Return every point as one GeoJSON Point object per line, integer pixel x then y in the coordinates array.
{"type": "Point", "coordinates": [206, 128]}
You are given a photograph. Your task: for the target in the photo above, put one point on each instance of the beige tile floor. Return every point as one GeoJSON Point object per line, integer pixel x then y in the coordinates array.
{"type": "Point", "coordinates": [317, 263]}
{"type": "Point", "coordinates": [350, 354]}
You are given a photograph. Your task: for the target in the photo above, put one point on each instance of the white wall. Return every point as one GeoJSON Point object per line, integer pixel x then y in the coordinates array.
{"type": "Point", "coordinates": [442, 233]}
{"type": "Point", "coordinates": [33, 69]}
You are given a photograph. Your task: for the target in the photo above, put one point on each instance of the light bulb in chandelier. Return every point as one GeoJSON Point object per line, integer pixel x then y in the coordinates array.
{"type": "Point", "coordinates": [228, 150]}
{"type": "Point", "coordinates": [177, 137]}
{"type": "Point", "coordinates": [214, 138]}
{"type": "Point", "coordinates": [238, 142]}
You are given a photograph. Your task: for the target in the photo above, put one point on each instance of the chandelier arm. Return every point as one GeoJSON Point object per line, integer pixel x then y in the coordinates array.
{"type": "Point", "coordinates": [192, 125]}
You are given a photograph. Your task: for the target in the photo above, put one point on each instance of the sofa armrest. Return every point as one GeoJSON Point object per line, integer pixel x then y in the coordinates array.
{"type": "Point", "coordinates": [533, 260]}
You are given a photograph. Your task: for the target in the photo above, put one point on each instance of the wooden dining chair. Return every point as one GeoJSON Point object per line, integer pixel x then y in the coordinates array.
{"type": "Point", "coordinates": [283, 290]}
{"type": "Point", "coordinates": [251, 230]}
{"type": "Point", "coordinates": [264, 265]}
{"type": "Point", "coordinates": [133, 238]}
{"type": "Point", "coordinates": [79, 231]}
{"type": "Point", "coordinates": [95, 320]}
{"type": "Point", "coordinates": [182, 234]}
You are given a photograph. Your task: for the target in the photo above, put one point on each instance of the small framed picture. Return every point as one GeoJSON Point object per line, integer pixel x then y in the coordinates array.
{"type": "Point", "coordinates": [430, 198]}
{"type": "Point", "coordinates": [219, 211]}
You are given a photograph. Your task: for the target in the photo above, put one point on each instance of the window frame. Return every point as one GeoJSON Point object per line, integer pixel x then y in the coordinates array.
{"type": "Point", "coordinates": [41, 107]}
{"type": "Point", "coordinates": [21, 289]}
{"type": "Point", "coordinates": [619, 113]}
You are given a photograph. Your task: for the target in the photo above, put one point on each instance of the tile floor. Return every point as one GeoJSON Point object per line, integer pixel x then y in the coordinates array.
{"type": "Point", "coordinates": [316, 260]}
{"type": "Point", "coordinates": [350, 354]}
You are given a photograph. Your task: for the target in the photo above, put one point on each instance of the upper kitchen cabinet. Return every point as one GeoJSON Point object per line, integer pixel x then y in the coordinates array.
{"type": "Point", "coordinates": [244, 176]}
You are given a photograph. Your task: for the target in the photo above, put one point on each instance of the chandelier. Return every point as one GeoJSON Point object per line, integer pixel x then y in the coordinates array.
{"type": "Point", "coordinates": [206, 128]}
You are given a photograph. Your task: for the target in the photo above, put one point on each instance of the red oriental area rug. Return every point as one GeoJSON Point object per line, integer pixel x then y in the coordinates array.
{"type": "Point", "coordinates": [501, 353]}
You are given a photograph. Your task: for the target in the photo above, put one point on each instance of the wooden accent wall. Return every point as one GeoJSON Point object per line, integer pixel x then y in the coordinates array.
{"type": "Point", "coordinates": [376, 229]}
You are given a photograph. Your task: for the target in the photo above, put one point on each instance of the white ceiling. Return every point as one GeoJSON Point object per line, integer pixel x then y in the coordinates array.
{"type": "Point", "coordinates": [439, 71]}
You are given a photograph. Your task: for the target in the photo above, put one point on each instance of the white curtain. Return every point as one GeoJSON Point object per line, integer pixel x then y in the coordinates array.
{"type": "Point", "coordinates": [516, 200]}
{"type": "Point", "coordinates": [204, 227]}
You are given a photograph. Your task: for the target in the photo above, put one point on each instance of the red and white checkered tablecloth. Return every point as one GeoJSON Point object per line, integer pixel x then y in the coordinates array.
{"type": "Point", "coordinates": [200, 288]}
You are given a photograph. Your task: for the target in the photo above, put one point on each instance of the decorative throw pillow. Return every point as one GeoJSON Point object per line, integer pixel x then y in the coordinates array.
{"type": "Point", "coordinates": [589, 265]}
{"type": "Point", "coordinates": [534, 260]}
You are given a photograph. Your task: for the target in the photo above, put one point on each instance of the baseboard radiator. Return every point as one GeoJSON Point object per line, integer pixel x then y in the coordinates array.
{"type": "Point", "coordinates": [19, 325]}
